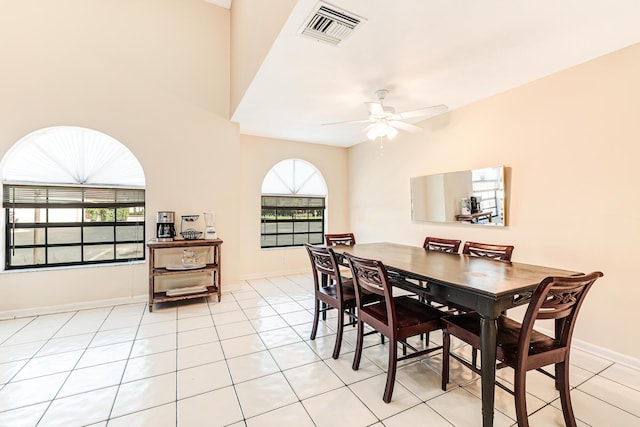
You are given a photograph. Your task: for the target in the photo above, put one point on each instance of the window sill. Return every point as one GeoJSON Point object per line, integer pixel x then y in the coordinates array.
{"type": "Point", "coordinates": [71, 267]}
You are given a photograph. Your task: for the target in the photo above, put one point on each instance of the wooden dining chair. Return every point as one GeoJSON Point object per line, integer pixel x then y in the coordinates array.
{"type": "Point", "coordinates": [437, 244]}
{"type": "Point", "coordinates": [491, 251]}
{"type": "Point", "coordinates": [486, 250]}
{"type": "Point", "coordinates": [341, 239]}
{"type": "Point", "coordinates": [396, 318]}
{"type": "Point", "coordinates": [333, 291]}
{"type": "Point", "coordinates": [523, 348]}
{"type": "Point", "coordinates": [441, 245]}
{"type": "Point", "coordinates": [346, 239]}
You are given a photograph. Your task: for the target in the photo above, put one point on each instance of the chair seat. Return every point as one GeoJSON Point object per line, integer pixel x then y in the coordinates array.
{"type": "Point", "coordinates": [331, 290]}
{"type": "Point", "coordinates": [467, 328]}
{"type": "Point", "coordinates": [409, 312]}
{"type": "Point", "coordinates": [348, 293]}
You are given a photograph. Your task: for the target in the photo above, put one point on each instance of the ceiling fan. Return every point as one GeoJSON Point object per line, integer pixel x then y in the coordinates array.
{"type": "Point", "coordinates": [384, 121]}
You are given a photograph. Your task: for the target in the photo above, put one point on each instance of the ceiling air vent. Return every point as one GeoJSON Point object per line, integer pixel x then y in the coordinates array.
{"type": "Point", "coordinates": [330, 24]}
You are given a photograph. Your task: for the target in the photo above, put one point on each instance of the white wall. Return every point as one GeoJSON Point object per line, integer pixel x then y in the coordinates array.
{"type": "Point", "coordinates": [456, 187]}
{"type": "Point", "coordinates": [427, 200]}
{"type": "Point", "coordinates": [258, 156]}
{"type": "Point", "coordinates": [254, 27]}
{"type": "Point", "coordinates": [571, 143]}
{"type": "Point", "coordinates": [154, 74]}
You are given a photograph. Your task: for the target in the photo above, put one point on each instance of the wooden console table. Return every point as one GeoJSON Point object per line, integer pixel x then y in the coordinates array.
{"type": "Point", "coordinates": [474, 216]}
{"type": "Point", "coordinates": [210, 266]}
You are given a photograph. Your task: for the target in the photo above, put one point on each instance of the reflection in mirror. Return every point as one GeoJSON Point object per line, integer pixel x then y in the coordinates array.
{"type": "Point", "coordinates": [473, 197]}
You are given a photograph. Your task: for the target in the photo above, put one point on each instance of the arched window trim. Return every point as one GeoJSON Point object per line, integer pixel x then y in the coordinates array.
{"type": "Point", "coordinates": [292, 213]}
{"type": "Point", "coordinates": [71, 196]}
{"type": "Point", "coordinates": [71, 155]}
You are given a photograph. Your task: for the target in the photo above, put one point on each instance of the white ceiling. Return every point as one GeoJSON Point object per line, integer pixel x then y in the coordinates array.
{"type": "Point", "coordinates": [425, 52]}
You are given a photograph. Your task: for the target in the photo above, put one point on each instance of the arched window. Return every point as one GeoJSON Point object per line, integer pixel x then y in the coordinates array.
{"type": "Point", "coordinates": [293, 205]}
{"type": "Point", "coordinates": [71, 196]}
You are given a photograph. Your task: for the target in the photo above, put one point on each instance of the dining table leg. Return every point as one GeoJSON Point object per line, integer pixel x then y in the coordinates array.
{"type": "Point", "coordinates": [488, 339]}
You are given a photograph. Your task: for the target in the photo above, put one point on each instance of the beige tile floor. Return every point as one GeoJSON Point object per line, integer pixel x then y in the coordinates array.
{"type": "Point", "coordinates": [248, 361]}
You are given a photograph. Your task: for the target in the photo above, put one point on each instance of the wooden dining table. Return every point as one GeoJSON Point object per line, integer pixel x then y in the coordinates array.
{"type": "Point", "coordinates": [486, 286]}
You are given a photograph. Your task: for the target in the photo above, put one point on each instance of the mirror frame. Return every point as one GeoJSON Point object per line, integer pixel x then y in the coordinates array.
{"type": "Point", "coordinates": [438, 198]}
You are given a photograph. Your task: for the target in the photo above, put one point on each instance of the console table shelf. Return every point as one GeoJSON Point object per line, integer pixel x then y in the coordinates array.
{"type": "Point", "coordinates": [212, 268]}
{"type": "Point", "coordinates": [474, 216]}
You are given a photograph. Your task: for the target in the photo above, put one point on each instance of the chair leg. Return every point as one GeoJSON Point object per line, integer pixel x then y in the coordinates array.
{"type": "Point", "coordinates": [421, 298]}
{"type": "Point", "coordinates": [565, 394]}
{"type": "Point", "coordinates": [474, 357]}
{"type": "Point", "coordinates": [336, 347]}
{"type": "Point", "coordinates": [359, 342]}
{"type": "Point", "coordinates": [391, 371]}
{"type": "Point", "coordinates": [520, 395]}
{"type": "Point", "coordinates": [446, 342]}
{"type": "Point", "coordinates": [324, 311]}
{"type": "Point", "coordinates": [426, 338]}
{"type": "Point", "coordinates": [314, 327]}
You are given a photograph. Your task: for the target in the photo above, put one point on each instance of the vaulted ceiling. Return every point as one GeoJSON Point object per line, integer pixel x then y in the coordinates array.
{"type": "Point", "coordinates": [425, 52]}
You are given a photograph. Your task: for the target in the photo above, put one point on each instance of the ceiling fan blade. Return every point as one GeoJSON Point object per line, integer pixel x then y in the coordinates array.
{"type": "Point", "coordinates": [375, 108]}
{"type": "Point", "coordinates": [405, 126]}
{"type": "Point", "coordinates": [427, 111]}
{"type": "Point", "coordinates": [347, 122]}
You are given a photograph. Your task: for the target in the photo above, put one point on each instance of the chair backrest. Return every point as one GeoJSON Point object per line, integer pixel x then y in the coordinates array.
{"type": "Point", "coordinates": [324, 261]}
{"type": "Point", "coordinates": [371, 276]}
{"type": "Point", "coordinates": [560, 299]}
{"type": "Point", "coordinates": [442, 245]}
{"type": "Point", "coordinates": [485, 250]}
{"type": "Point", "coordinates": [341, 239]}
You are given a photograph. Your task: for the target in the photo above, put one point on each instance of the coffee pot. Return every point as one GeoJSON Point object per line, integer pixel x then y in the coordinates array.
{"type": "Point", "coordinates": [165, 229]}
{"type": "Point", "coordinates": [475, 205]}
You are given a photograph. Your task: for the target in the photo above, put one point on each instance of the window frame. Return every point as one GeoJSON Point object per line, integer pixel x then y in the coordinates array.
{"type": "Point", "coordinates": [291, 203]}
{"type": "Point", "coordinates": [50, 197]}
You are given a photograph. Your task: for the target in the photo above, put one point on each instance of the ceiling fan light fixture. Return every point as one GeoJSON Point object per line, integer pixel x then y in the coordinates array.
{"type": "Point", "coordinates": [377, 131]}
{"type": "Point", "coordinates": [372, 134]}
{"type": "Point", "coordinates": [391, 132]}
{"type": "Point", "coordinates": [382, 129]}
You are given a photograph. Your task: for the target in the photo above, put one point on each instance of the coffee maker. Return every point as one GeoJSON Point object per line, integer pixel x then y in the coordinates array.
{"type": "Point", "coordinates": [475, 205]}
{"type": "Point", "coordinates": [165, 231]}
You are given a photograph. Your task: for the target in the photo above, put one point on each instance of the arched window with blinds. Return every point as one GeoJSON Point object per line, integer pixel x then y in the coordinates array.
{"type": "Point", "coordinates": [293, 205]}
{"type": "Point", "coordinates": [72, 196]}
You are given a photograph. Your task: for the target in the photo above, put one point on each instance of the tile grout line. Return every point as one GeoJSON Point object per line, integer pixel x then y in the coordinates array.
{"type": "Point", "coordinates": [144, 306]}
{"type": "Point", "coordinates": [287, 292]}
{"type": "Point", "coordinates": [72, 369]}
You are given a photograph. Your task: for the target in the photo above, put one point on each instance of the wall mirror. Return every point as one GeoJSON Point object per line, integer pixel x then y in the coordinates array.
{"type": "Point", "coordinates": [472, 197]}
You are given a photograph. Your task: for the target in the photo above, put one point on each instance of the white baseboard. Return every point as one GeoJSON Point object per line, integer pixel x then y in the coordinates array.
{"type": "Point", "coordinates": [51, 309]}
{"type": "Point", "coordinates": [274, 274]}
{"type": "Point", "coordinates": [596, 350]}
{"type": "Point", "coordinates": [607, 354]}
